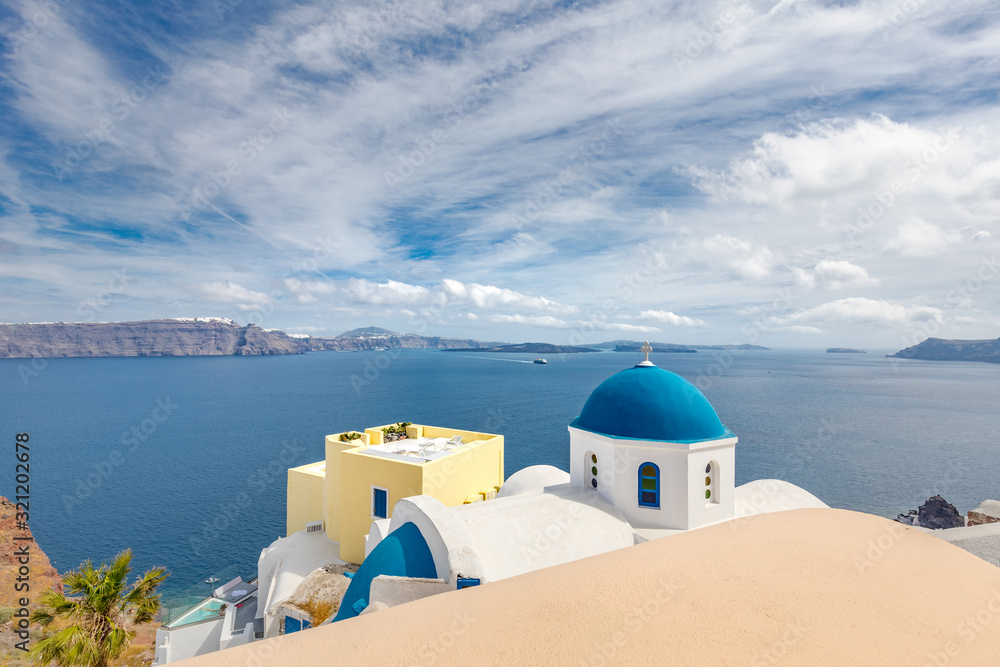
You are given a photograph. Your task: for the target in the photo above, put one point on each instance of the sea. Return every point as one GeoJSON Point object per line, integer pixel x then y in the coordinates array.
{"type": "Point", "coordinates": [184, 459]}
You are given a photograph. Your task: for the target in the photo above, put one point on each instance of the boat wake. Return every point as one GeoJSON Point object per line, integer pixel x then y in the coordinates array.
{"type": "Point", "coordinates": [516, 361]}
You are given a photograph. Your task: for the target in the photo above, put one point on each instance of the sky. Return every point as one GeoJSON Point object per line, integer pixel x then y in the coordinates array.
{"type": "Point", "coordinates": [791, 174]}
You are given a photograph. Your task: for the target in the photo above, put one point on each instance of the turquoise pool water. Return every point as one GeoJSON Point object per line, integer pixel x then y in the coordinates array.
{"type": "Point", "coordinates": [204, 611]}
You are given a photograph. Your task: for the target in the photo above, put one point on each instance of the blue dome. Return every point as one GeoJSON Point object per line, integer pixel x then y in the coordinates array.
{"type": "Point", "coordinates": [401, 553]}
{"type": "Point", "coordinates": [649, 403]}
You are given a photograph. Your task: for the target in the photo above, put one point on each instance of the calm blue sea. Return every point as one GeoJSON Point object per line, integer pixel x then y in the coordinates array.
{"type": "Point", "coordinates": [860, 431]}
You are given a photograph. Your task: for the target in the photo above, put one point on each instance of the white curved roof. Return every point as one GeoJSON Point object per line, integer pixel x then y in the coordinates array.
{"type": "Point", "coordinates": [533, 479]}
{"type": "Point", "coordinates": [763, 496]}
{"type": "Point", "coordinates": [286, 563]}
{"type": "Point", "coordinates": [509, 536]}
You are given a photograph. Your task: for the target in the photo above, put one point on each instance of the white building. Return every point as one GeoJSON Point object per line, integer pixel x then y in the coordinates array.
{"type": "Point", "coordinates": [222, 620]}
{"type": "Point", "coordinates": [649, 442]}
{"type": "Point", "coordinates": [649, 458]}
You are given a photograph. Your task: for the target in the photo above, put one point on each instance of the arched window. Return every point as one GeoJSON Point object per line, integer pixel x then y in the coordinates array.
{"type": "Point", "coordinates": [711, 488]}
{"type": "Point", "coordinates": [590, 470]}
{"type": "Point", "coordinates": [649, 485]}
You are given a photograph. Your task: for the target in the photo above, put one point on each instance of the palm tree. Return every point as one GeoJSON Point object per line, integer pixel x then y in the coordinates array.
{"type": "Point", "coordinates": [100, 604]}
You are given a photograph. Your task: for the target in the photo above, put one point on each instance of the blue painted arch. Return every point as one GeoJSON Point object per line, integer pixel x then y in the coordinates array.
{"type": "Point", "coordinates": [649, 485]}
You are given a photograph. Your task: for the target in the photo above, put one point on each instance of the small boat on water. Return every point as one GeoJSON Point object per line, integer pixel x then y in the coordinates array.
{"type": "Point", "coordinates": [539, 360]}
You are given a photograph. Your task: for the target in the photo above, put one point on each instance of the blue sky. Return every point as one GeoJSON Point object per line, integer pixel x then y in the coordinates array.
{"type": "Point", "coordinates": [786, 173]}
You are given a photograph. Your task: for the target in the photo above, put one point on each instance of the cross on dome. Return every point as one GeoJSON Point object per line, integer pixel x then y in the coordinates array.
{"type": "Point", "coordinates": [646, 348]}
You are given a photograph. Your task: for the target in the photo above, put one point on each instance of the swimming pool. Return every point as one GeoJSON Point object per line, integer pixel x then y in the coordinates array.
{"type": "Point", "coordinates": [205, 610]}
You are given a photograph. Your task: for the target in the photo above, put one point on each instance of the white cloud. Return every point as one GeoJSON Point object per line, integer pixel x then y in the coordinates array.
{"type": "Point", "coordinates": [306, 291]}
{"type": "Point", "coordinates": [554, 323]}
{"type": "Point", "coordinates": [981, 235]}
{"type": "Point", "coordinates": [671, 318]}
{"type": "Point", "coordinates": [617, 326]}
{"type": "Point", "coordinates": [819, 159]}
{"type": "Point", "coordinates": [738, 259]}
{"type": "Point", "coordinates": [298, 286]}
{"type": "Point", "coordinates": [860, 310]}
{"type": "Point", "coordinates": [799, 329]}
{"type": "Point", "coordinates": [918, 238]}
{"type": "Point", "coordinates": [834, 275]}
{"type": "Point", "coordinates": [534, 320]}
{"type": "Point", "coordinates": [491, 296]}
{"type": "Point", "coordinates": [472, 316]}
{"type": "Point", "coordinates": [388, 293]}
{"type": "Point", "coordinates": [227, 292]}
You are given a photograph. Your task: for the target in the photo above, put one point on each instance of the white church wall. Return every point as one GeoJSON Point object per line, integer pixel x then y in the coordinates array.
{"type": "Point", "coordinates": [619, 461]}
{"type": "Point", "coordinates": [721, 505]}
{"type": "Point", "coordinates": [673, 485]}
{"type": "Point", "coordinates": [583, 446]}
{"type": "Point", "coordinates": [681, 475]}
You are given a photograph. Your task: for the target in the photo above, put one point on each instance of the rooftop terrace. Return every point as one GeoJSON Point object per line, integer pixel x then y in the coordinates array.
{"type": "Point", "coordinates": [415, 450]}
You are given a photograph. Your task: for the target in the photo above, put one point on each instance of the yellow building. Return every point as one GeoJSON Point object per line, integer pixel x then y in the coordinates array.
{"type": "Point", "coordinates": [361, 479]}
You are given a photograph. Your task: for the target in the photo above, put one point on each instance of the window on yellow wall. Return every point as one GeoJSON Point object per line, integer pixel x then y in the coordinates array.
{"type": "Point", "coordinates": [380, 502]}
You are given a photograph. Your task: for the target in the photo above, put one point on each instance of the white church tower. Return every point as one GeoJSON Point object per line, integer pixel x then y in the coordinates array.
{"type": "Point", "coordinates": [650, 443]}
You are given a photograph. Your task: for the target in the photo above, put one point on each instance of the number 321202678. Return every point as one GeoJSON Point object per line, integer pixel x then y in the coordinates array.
{"type": "Point", "coordinates": [22, 477]}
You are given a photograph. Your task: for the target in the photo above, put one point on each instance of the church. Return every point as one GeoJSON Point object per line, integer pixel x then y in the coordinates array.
{"type": "Point", "coordinates": [649, 458]}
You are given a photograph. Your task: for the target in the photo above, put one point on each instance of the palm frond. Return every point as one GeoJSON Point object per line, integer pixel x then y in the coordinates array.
{"type": "Point", "coordinates": [99, 604]}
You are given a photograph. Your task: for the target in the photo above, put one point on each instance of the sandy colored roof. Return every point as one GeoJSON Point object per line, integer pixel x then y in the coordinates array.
{"type": "Point", "coordinates": [802, 587]}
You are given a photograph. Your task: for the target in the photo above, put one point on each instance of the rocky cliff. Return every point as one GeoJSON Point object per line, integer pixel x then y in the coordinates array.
{"type": "Point", "coordinates": [208, 336]}
{"type": "Point", "coordinates": [939, 349]}
{"type": "Point", "coordinates": [391, 340]}
{"type": "Point", "coordinates": [42, 576]}
{"type": "Point", "coordinates": [148, 338]}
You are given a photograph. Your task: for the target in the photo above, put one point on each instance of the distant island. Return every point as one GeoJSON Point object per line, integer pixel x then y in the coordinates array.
{"type": "Point", "coordinates": [195, 336]}
{"type": "Point", "coordinates": [844, 350]}
{"type": "Point", "coordinates": [655, 348]}
{"type": "Point", "coordinates": [939, 349]}
{"type": "Point", "coordinates": [530, 348]}
{"type": "Point", "coordinates": [634, 345]}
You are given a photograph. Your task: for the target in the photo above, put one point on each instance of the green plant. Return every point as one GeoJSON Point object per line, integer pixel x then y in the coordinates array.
{"type": "Point", "coordinates": [350, 435]}
{"type": "Point", "coordinates": [318, 610]}
{"type": "Point", "coordinates": [399, 427]}
{"type": "Point", "coordinates": [100, 605]}
{"type": "Point", "coordinates": [6, 613]}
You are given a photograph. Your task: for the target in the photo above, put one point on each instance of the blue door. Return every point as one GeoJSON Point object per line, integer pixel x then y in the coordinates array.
{"type": "Point", "coordinates": [379, 502]}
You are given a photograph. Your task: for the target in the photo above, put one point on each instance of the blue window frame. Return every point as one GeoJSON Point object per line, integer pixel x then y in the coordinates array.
{"type": "Point", "coordinates": [465, 582]}
{"type": "Point", "coordinates": [380, 502]}
{"type": "Point", "coordinates": [649, 485]}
